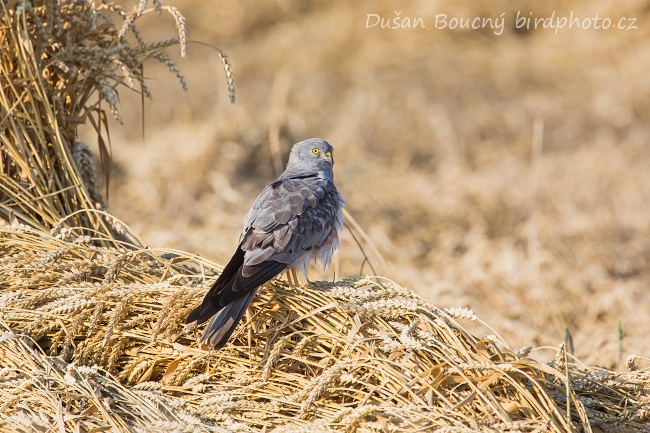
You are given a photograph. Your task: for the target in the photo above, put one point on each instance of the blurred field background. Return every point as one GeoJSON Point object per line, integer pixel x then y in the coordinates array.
{"type": "Point", "coordinates": [433, 133]}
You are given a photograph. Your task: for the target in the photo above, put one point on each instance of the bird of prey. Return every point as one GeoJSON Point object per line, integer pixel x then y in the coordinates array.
{"type": "Point", "coordinates": [295, 218]}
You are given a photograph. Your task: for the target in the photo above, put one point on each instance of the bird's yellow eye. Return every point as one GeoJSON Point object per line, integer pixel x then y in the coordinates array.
{"type": "Point", "coordinates": [328, 154]}
{"type": "Point", "coordinates": [315, 151]}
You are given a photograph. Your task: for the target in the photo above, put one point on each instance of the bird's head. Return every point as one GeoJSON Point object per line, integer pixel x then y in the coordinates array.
{"type": "Point", "coordinates": [311, 155]}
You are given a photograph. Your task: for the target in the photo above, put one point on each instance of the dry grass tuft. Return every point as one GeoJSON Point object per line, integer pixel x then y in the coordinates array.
{"type": "Point", "coordinates": [362, 354]}
{"type": "Point", "coordinates": [61, 65]}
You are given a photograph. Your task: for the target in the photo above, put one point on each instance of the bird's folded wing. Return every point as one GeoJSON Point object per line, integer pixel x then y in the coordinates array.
{"type": "Point", "coordinates": [288, 219]}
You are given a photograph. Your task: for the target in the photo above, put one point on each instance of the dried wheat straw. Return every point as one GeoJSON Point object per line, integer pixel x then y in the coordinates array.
{"type": "Point", "coordinates": [313, 362]}
{"type": "Point", "coordinates": [60, 64]}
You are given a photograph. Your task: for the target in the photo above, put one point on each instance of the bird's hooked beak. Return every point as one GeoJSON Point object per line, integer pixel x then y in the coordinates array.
{"type": "Point", "coordinates": [327, 156]}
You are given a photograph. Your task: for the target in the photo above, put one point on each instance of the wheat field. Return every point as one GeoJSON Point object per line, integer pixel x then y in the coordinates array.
{"type": "Point", "coordinates": [494, 268]}
{"type": "Point", "coordinates": [433, 132]}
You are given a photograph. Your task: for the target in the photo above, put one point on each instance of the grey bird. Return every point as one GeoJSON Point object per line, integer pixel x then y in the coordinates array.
{"type": "Point", "coordinates": [296, 218]}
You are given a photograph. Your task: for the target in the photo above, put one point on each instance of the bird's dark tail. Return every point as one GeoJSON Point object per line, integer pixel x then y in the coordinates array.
{"type": "Point", "coordinates": [224, 322]}
{"type": "Point", "coordinates": [211, 302]}
{"type": "Point", "coordinates": [227, 300]}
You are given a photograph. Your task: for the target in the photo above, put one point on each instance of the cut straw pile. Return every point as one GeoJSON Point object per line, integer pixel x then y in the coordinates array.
{"type": "Point", "coordinates": [93, 337]}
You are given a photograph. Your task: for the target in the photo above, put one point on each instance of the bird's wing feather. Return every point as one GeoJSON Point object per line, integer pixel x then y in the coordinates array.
{"type": "Point", "coordinates": [207, 307]}
{"type": "Point", "coordinates": [249, 278]}
{"type": "Point", "coordinates": [289, 218]}
{"type": "Point", "coordinates": [233, 284]}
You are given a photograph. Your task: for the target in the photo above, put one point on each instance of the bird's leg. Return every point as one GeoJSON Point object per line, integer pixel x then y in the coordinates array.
{"type": "Point", "coordinates": [292, 277]}
{"type": "Point", "coordinates": [294, 274]}
{"type": "Point", "coordinates": [287, 273]}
